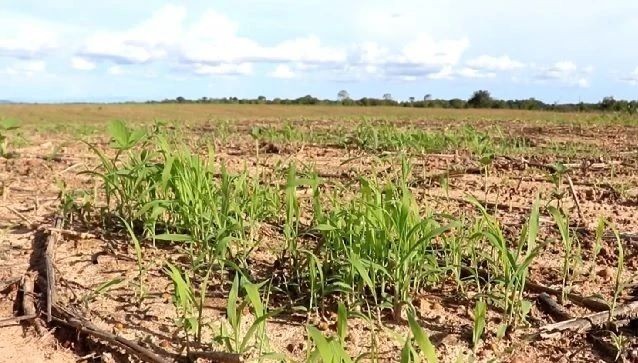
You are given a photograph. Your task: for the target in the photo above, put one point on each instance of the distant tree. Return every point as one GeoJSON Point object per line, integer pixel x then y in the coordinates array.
{"type": "Point", "coordinates": [457, 103]}
{"type": "Point", "coordinates": [387, 97]}
{"type": "Point", "coordinates": [427, 97]}
{"type": "Point", "coordinates": [480, 99]}
{"type": "Point", "coordinates": [411, 99]}
{"type": "Point", "coordinates": [180, 99]}
{"type": "Point", "coordinates": [608, 103]}
{"type": "Point", "coordinates": [261, 99]}
{"type": "Point", "coordinates": [343, 95]}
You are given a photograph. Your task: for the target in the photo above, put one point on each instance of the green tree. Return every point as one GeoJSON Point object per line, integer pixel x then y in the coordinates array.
{"type": "Point", "coordinates": [480, 99]}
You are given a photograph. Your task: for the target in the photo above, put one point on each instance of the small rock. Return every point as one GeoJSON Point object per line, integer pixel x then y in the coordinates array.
{"type": "Point", "coordinates": [165, 344]}
{"type": "Point", "coordinates": [424, 305]}
{"type": "Point", "coordinates": [323, 326]}
{"type": "Point", "coordinates": [606, 273]}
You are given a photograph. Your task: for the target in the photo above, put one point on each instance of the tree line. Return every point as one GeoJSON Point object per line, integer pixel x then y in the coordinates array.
{"type": "Point", "coordinates": [479, 99]}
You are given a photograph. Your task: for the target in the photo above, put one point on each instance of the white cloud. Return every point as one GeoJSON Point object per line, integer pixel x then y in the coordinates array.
{"type": "Point", "coordinates": [150, 40]}
{"type": "Point", "coordinates": [210, 44]}
{"type": "Point", "coordinates": [467, 72]}
{"type": "Point", "coordinates": [82, 64]}
{"type": "Point", "coordinates": [565, 72]}
{"type": "Point", "coordinates": [421, 58]}
{"type": "Point", "coordinates": [26, 37]}
{"type": "Point", "coordinates": [28, 68]}
{"type": "Point", "coordinates": [115, 70]}
{"type": "Point", "coordinates": [489, 63]}
{"type": "Point", "coordinates": [225, 69]}
{"type": "Point", "coordinates": [282, 71]}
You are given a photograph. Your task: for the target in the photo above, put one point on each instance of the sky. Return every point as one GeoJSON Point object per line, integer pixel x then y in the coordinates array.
{"type": "Point", "coordinates": [109, 51]}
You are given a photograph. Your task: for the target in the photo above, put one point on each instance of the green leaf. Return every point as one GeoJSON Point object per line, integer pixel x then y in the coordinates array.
{"type": "Point", "coordinates": [105, 286]}
{"type": "Point", "coordinates": [323, 347]}
{"type": "Point", "coordinates": [526, 307]}
{"type": "Point", "coordinates": [342, 323]}
{"type": "Point", "coordinates": [362, 271]}
{"type": "Point", "coordinates": [324, 227]}
{"type": "Point", "coordinates": [173, 237]}
{"type": "Point", "coordinates": [502, 329]}
{"type": "Point", "coordinates": [422, 339]}
{"type": "Point", "coordinates": [231, 305]}
{"type": "Point", "coordinates": [118, 131]}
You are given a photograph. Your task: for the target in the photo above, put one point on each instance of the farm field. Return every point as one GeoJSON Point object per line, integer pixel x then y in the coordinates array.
{"type": "Point", "coordinates": [317, 233]}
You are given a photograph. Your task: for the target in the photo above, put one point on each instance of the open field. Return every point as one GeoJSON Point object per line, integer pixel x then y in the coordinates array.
{"type": "Point", "coordinates": [326, 234]}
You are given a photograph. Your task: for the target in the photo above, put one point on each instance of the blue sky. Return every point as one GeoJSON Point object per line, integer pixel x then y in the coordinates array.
{"type": "Point", "coordinates": [132, 50]}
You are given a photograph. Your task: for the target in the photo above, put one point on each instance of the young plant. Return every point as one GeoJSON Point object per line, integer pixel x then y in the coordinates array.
{"type": "Point", "coordinates": [511, 266]}
{"type": "Point", "coordinates": [185, 303]}
{"type": "Point", "coordinates": [418, 335]}
{"type": "Point", "coordinates": [480, 314]}
{"type": "Point", "coordinates": [6, 125]}
{"type": "Point", "coordinates": [140, 262]}
{"type": "Point", "coordinates": [618, 285]}
{"type": "Point", "coordinates": [255, 336]}
{"type": "Point", "coordinates": [568, 247]}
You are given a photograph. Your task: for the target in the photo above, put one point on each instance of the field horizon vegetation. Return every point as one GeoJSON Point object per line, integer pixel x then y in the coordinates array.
{"type": "Point", "coordinates": [332, 233]}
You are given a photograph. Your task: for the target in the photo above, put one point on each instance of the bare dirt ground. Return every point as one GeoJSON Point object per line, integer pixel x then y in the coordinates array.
{"type": "Point", "coordinates": [605, 182]}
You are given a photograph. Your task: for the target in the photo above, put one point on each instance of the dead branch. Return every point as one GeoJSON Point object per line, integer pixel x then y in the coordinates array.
{"type": "Point", "coordinates": [587, 322]}
{"type": "Point", "coordinates": [15, 319]}
{"type": "Point", "coordinates": [68, 232]}
{"type": "Point", "coordinates": [552, 307]}
{"type": "Point", "coordinates": [568, 166]}
{"type": "Point", "coordinates": [575, 197]}
{"type": "Point", "coordinates": [28, 302]}
{"type": "Point", "coordinates": [49, 258]}
{"type": "Point", "coordinates": [65, 317]}
{"type": "Point", "coordinates": [20, 215]}
{"type": "Point", "coordinates": [590, 303]}
{"type": "Point", "coordinates": [9, 283]}
{"type": "Point", "coordinates": [220, 357]}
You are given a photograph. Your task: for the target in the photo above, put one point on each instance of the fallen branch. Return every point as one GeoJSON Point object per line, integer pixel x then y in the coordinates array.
{"type": "Point", "coordinates": [590, 303]}
{"type": "Point", "coordinates": [587, 322]}
{"type": "Point", "coordinates": [553, 308]}
{"type": "Point", "coordinates": [220, 357]}
{"type": "Point", "coordinates": [8, 283]}
{"type": "Point", "coordinates": [49, 257]}
{"type": "Point", "coordinates": [68, 232]}
{"type": "Point", "coordinates": [15, 319]}
{"type": "Point", "coordinates": [63, 316]}
{"type": "Point", "coordinates": [20, 215]}
{"type": "Point", "coordinates": [28, 302]}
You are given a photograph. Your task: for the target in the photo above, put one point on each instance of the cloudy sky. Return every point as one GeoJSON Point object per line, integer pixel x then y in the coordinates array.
{"type": "Point", "coordinates": [116, 50]}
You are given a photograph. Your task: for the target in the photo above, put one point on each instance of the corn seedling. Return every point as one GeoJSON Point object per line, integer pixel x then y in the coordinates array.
{"type": "Point", "coordinates": [618, 284]}
{"type": "Point", "coordinates": [480, 315]}
{"type": "Point", "coordinates": [255, 336]}
{"type": "Point", "coordinates": [510, 266]}
{"type": "Point", "coordinates": [184, 302]}
{"type": "Point", "coordinates": [568, 247]}
{"type": "Point", "coordinates": [6, 125]}
{"type": "Point", "coordinates": [620, 343]}
{"type": "Point", "coordinates": [140, 262]}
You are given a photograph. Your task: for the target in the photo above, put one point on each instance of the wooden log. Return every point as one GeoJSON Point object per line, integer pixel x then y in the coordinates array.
{"type": "Point", "coordinates": [587, 322]}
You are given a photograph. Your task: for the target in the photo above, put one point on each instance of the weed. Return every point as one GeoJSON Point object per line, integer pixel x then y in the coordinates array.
{"type": "Point", "coordinates": [6, 125]}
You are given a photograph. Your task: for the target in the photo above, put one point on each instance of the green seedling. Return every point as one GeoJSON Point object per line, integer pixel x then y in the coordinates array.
{"type": "Point", "coordinates": [6, 125]}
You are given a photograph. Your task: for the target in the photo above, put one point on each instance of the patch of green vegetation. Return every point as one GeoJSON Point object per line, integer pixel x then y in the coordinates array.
{"type": "Point", "coordinates": [365, 249]}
